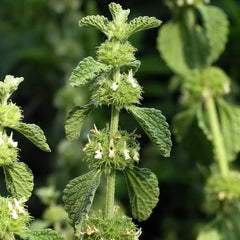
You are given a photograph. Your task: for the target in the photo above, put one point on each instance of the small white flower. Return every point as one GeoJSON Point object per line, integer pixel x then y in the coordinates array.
{"type": "Point", "coordinates": [98, 153]}
{"type": "Point", "coordinates": [136, 155]}
{"type": "Point", "coordinates": [14, 214]}
{"type": "Point", "coordinates": [18, 206]}
{"type": "Point", "coordinates": [114, 86]}
{"type": "Point", "coordinates": [111, 149]}
{"type": "Point", "coordinates": [131, 79]}
{"type": "Point", "coordinates": [126, 152]}
{"type": "Point", "coordinates": [10, 206]}
{"type": "Point", "coordinates": [10, 140]}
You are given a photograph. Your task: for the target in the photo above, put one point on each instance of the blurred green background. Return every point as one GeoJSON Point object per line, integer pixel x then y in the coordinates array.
{"type": "Point", "coordinates": [41, 41]}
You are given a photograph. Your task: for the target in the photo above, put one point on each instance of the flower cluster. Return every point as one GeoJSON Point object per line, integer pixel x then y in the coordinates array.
{"type": "Point", "coordinates": [122, 91]}
{"type": "Point", "coordinates": [106, 152]}
{"type": "Point", "coordinates": [8, 149]}
{"type": "Point", "coordinates": [222, 192]}
{"type": "Point", "coordinates": [119, 227]}
{"type": "Point", "coordinates": [13, 216]}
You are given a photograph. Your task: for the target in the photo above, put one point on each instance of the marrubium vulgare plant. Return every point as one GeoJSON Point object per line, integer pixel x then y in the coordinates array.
{"type": "Point", "coordinates": [111, 77]}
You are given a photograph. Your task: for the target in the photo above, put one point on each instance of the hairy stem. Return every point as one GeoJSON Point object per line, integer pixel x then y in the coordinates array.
{"type": "Point", "coordinates": [217, 137]}
{"type": "Point", "coordinates": [110, 192]}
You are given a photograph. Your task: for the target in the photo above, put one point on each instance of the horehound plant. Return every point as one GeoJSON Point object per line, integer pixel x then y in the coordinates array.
{"type": "Point", "coordinates": [14, 216]}
{"type": "Point", "coordinates": [190, 47]}
{"type": "Point", "coordinates": [111, 77]}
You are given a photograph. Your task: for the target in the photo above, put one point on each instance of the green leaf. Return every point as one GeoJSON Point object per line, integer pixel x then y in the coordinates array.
{"type": "Point", "coordinates": [154, 124]}
{"type": "Point", "coordinates": [100, 22]}
{"type": "Point", "coordinates": [182, 122]}
{"type": "Point", "coordinates": [216, 27]}
{"type": "Point", "coordinates": [230, 125]}
{"type": "Point", "coordinates": [87, 70]}
{"type": "Point", "coordinates": [142, 23]}
{"type": "Point", "coordinates": [171, 47]}
{"type": "Point", "coordinates": [75, 119]}
{"type": "Point", "coordinates": [79, 194]}
{"type": "Point", "coordinates": [119, 15]}
{"type": "Point", "coordinates": [19, 179]}
{"type": "Point", "coordinates": [203, 123]}
{"type": "Point", "coordinates": [34, 133]}
{"type": "Point", "coordinates": [47, 234]}
{"type": "Point", "coordinates": [143, 191]}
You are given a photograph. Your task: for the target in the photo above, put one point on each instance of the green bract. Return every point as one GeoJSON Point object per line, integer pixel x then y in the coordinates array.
{"type": "Point", "coordinates": [119, 227]}
{"type": "Point", "coordinates": [14, 217]}
{"type": "Point", "coordinates": [105, 152]}
{"type": "Point", "coordinates": [222, 193]}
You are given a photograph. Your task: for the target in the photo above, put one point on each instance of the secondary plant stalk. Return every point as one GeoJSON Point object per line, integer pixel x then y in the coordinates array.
{"type": "Point", "coordinates": [110, 191]}
{"type": "Point", "coordinates": [217, 137]}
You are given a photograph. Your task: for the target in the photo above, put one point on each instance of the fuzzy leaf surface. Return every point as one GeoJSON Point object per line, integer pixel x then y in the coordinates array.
{"type": "Point", "coordinates": [75, 119]}
{"type": "Point", "coordinates": [216, 27]}
{"type": "Point", "coordinates": [171, 47]}
{"type": "Point", "coordinates": [119, 15]}
{"type": "Point", "coordinates": [154, 124]}
{"type": "Point", "coordinates": [33, 133]}
{"type": "Point", "coordinates": [79, 194]}
{"type": "Point", "coordinates": [87, 70]}
{"type": "Point", "coordinates": [100, 22]}
{"type": "Point", "coordinates": [143, 191]}
{"type": "Point", "coordinates": [47, 234]}
{"type": "Point", "coordinates": [230, 125]}
{"type": "Point", "coordinates": [19, 179]}
{"type": "Point", "coordinates": [142, 23]}
{"type": "Point", "coordinates": [182, 122]}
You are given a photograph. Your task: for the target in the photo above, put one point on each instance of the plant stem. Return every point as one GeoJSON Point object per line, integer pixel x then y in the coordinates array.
{"type": "Point", "coordinates": [110, 191]}
{"type": "Point", "coordinates": [217, 137]}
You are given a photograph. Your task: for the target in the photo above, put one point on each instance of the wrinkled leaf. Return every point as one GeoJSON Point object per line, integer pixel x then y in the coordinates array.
{"type": "Point", "coordinates": [46, 234]}
{"type": "Point", "coordinates": [230, 125]}
{"type": "Point", "coordinates": [34, 133]}
{"type": "Point", "coordinates": [79, 194]}
{"type": "Point", "coordinates": [87, 70]}
{"type": "Point", "coordinates": [75, 119]}
{"type": "Point", "coordinates": [182, 122]}
{"type": "Point", "coordinates": [19, 179]}
{"type": "Point", "coordinates": [216, 27]}
{"type": "Point", "coordinates": [143, 191]}
{"type": "Point", "coordinates": [142, 23]}
{"type": "Point", "coordinates": [154, 124]}
{"type": "Point", "coordinates": [134, 65]}
{"type": "Point", "coordinates": [119, 15]}
{"type": "Point", "coordinates": [100, 22]}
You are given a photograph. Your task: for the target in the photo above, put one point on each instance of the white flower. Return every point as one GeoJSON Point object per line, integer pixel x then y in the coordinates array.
{"type": "Point", "coordinates": [10, 140]}
{"type": "Point", "coordinates": [136, 155]}
{"type": "Point", "coordinates": [131, 79]}
{"type": "Point", "coordinates": [18, 206]}
{"type": "Point", "coordinates": [111, 149]}
{"type": "Point", "coordinates": [126, 152]}
{"type": "Point", "coordinates": [98, 153]}
{"type": "Point", "coordinates": [114, 86]}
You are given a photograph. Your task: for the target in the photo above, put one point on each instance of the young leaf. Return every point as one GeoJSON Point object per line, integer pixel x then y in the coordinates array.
{"type": "Point", "coordinates": [19, 179]}
{"type": "Point", "coordinates": [154, 124]}
{"type": "Point", "coordinates": [34, 133]}
{"type": "Point", "coordinates": [171, 46]}
{"type": "Point", "coordinates": [87, 70]}
{"type": "Point", "coordinates": [143, 191]}
{"type": "Point", "coordinates": [134, 65]}
{"type": "Point", "coordinates": [119, 15]}
{"type": "Point", "coordinates": [100, 22]}
{"type": "Point", "coordinates": [203, 124]}
{"type": "Point", "coordinates": [182, 122]}
{"type": "Point", "coordinates": [230, 125]}
{"type": "Point", "coordinates": [142, 23]}
{"type": "Point", "coordinates": [216, 27]}
{"type": "Point", "coordinates": [79, 194]}
{"type": "Point", "coordinates": [47, 234]}
{"type": "Point", "coordinates": [75, 119]}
